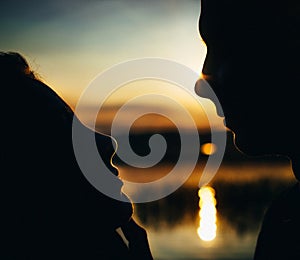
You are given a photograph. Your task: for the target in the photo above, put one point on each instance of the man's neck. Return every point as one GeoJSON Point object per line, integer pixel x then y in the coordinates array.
{"type": "Point", "coordinates": [295, 161]}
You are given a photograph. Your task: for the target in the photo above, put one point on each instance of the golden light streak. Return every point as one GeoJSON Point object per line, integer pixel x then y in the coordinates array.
{"type": "Point", "coordinates": [207, 229]}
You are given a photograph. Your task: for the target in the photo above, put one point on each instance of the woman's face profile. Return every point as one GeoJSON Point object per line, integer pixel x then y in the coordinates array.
{"type": "Point", "coordinates": [114, 211]}
{"type": "Point", "coordinates": [47, 124]}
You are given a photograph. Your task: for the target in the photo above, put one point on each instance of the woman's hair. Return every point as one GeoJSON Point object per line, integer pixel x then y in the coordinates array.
{"type": "Point", "coordinates": [14, 65]}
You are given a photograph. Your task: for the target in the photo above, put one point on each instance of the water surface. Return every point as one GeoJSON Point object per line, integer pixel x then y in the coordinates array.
{"type": "Point", "coordinates": [242, 192]}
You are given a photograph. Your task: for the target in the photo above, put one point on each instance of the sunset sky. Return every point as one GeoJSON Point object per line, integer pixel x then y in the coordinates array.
{"type": "Point", "coordinates": [68, 43]}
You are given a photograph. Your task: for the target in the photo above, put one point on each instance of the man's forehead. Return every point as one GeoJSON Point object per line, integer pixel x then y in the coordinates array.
{"type": "Point", "coordinates": [250, 10]}
{"type": "Point", "coordinates": [246, 17]}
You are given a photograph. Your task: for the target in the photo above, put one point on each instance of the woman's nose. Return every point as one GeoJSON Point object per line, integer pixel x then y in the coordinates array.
{"type": "Point", "coordinates": [107, 147]}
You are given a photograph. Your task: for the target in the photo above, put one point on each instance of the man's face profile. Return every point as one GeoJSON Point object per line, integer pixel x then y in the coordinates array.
{"type": "Point", "coordinates": [244, 65]}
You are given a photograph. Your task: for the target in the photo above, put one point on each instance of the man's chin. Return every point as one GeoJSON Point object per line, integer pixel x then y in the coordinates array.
{"type": "Point", "coordinates": [242, 146]}
{"type": "Point", "coordinates": [250, 148]}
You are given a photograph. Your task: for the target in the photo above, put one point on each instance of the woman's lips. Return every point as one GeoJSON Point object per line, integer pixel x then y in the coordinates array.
{"type": "Point", "coordinates": [120, 184]}
{"type": "Point", "coordinates": [114, 170]}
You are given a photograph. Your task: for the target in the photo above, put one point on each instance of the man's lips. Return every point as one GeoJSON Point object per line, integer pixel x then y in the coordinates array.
{"type": "Point", "coordinates": [204, 90]}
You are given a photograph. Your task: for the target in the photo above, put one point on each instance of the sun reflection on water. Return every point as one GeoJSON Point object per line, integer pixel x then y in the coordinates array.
{"type": "Point", "coordinates": [207, 229]}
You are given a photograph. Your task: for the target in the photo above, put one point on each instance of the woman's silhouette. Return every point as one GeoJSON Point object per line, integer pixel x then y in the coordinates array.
{"type": "Point", "coordinates": [49, 209]}
{"type": "Point", "coordinates": [252, 64]}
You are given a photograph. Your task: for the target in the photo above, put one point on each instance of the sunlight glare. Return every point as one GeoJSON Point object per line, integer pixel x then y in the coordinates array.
{"type": "Point", "coordinates": [208, 148]}
{"type": "Point", "coordinates": [207, 229]}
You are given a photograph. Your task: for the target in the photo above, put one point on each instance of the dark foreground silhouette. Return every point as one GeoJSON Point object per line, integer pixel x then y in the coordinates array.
{"type": "Point", "coordinates": [252, 64]}
{"type": "Point", "coordinates": [48, 209]}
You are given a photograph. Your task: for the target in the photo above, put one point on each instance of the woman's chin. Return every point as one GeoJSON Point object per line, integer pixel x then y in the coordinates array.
{"type": "Point", "coordinates": [125, 210]}
{"type": "Point", "coordinates": [125, 214]}
{"type": "Point", "coordinates": [128, 203]}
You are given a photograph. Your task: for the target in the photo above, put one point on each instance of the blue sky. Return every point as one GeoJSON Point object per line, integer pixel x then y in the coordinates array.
{"type": "Point", "coordinates": [68, 43]}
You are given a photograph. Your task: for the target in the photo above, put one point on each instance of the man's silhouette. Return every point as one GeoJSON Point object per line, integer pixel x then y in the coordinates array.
{"type": "Point", "coordinates": [252, 64]}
